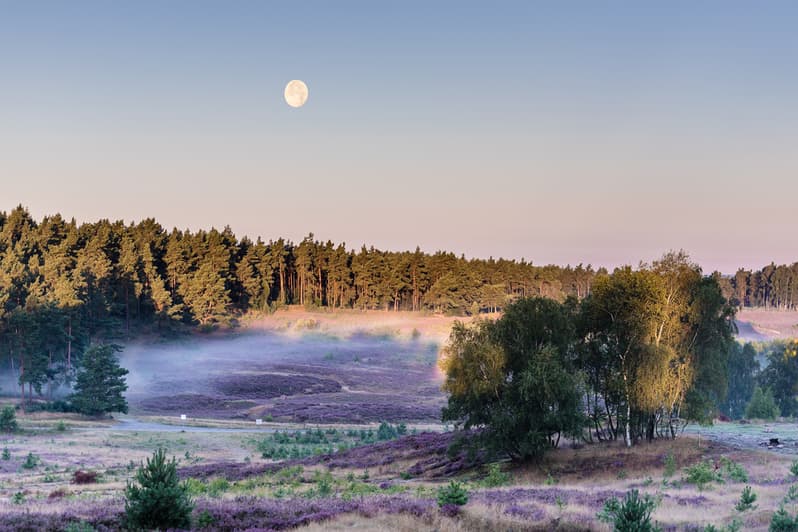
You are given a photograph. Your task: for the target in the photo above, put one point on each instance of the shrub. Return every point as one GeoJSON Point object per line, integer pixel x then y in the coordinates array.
{"type": "Point", "coordinates": [6, 454]}
{"type": "Point", "coordinates": [733, 470]}
{"type": "Point", "coordinates": [79, 526]}
{"type": "Point", "coordinates": [325, 484]}
{"type": "Point", "coordinates": [670, 465]}
{"type": "Point", "coordinates": [218, 486]}
{"type": "Point", "coordinates": [794, 468]}
{"type": "Point", "coordinates": [157, 499]}
{"type": "Point", "coordinates": [747, 500]}
{"type": "Point", "coordinates": [631, 515]}
{"type": "Point", "coordinates": [31, 461]}
{"type": "Point", "coordinates": [60, 426]}
{"type": "Point", "coordinates": [454, 493]}
{"type": "Point", "coordinates": [205, 519]}
{"type": "Point", "coordinates": [8, 419]}
{"type": "Point", "coordinates": [734, 526]}
{"type": "Point", "coordinates": [18, 498]}
{"type": "Point", "coordinates": [57, 494]}
{"type": "Point", "coordinates": [792, 494]}
{"type": "Point", "coordinates": [496, 477]}
{"type": "Point", "coordinates": [782, 521]}
{"type": "Point", "coordinates": [762, 405]}
{"type": "Point", "coordinates": [702, 474]}
{"type": "Point", "coordinates": [84, 477]}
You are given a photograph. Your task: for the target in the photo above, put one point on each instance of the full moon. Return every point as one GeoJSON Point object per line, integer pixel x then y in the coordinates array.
{"type": "Point", "coordinates": [296, 93]}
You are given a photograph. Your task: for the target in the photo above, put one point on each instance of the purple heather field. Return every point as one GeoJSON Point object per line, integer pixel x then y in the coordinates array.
{"type": "Point", "coordinates": [310, 378]}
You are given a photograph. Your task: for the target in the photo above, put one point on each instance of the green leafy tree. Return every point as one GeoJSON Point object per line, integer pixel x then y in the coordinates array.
{"type": "Point", "coordinates": [762, 405]}
{"type": "Point", "coordinates": [780, 376]}
{"type": "Point", "coordinates": [743, 367]}
{"type": "Point", "coordinates": [100, 383]}
{"type": "Point", "coordinates": [157, 499]}
{"type": "Point", "coordinates": [514, 378]}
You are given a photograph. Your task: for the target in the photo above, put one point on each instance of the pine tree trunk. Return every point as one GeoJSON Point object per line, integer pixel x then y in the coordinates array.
{"type": "Point", "coordinates": [69, 343]}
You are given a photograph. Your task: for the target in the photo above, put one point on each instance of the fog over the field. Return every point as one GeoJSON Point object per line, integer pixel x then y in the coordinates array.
{"type": "Point", "coordinates": [193, 360]}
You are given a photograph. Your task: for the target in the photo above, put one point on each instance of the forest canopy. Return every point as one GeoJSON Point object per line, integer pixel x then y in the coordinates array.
{"type": "Point", "coordinates": [64, 284]}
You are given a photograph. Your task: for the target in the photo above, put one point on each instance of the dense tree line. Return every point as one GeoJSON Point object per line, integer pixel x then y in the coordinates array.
{"type": "Point", "coordinates": [773, 287]}
{"type": "Point", "coordinates": [645, 351]}
{"type": "Point", "coordinates": [64, 285]}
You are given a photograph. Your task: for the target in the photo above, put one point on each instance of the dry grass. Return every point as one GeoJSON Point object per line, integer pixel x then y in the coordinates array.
{"type": "Point", "coordinates": [604, 461]}
{"type": "Point", "coordinates": [343, 322]}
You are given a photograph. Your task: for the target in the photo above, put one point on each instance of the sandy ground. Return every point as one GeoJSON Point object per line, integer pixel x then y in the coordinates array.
{"type": "Point", "coordinates": [344, 322]}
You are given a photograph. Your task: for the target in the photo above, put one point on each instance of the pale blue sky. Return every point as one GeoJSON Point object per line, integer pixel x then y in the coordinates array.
{"type": "Point", "coordinates": [566, 132]}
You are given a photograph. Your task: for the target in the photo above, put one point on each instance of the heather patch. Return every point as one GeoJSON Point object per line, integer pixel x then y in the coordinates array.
{"type": "Point", "coordinates": [197, 404]}
{"type": "Point", "coordinates": [271, 385]}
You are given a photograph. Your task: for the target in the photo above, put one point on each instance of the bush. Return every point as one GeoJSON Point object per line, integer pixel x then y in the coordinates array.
{"type": "Point", "coordinates": [79, 526]}
{"type": "Point", "coordinates": [18, 498]}
{"type": "Point", "coordinates": [205, 519]}
{"type": "Point", "coordinates": [670, 465]}
{"type": "Point", "coordinates": [60, 426]}
{"type": "Point", "coordinates": [6, 454]}
{"type": "Point", "coordinates": [762, 405]}
{"type": "Point", "coordinates": [218, 486]}
{"type": "Point", "coordinates": [31, 461]}
{"type": "Point", "coordinates": [631, 515]}
{"type": "Point", "coordinates": [735, 526]}
{"type": "Point", "coordinates": [84, 477]}
{"type": "Point", "coordinates": [454, 493]}
{"type": "Point", "coordinates": [733, 470]}
{"type": "Point", "coordinates": [782, 521]}
{"type": "Point", "coordinates": [747, 500]}
{"type": "Point", "coordinates": [702, 474]}
{"type": "Point", "coordinates": [157, 499]}
{"type": "Point", "coordinates": [496, 477]}
{"type": "Point", "coordinates": [8, 419]}
{"type": "Point", "coordinates": [58, 405]}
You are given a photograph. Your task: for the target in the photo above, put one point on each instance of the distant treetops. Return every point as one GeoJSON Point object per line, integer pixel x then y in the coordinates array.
{"type": "Point", "coordinates": [64, 285]}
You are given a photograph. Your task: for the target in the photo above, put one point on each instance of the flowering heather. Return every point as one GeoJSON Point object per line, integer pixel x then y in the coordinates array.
{"type": "Point", "coordinates": [267, 385]}
{"type": "Point", "coordinates": [242, 513]}
{"type": "Point", "coordinates": [198, 405]}
{"type": "Point", "coordinates": [347, 408]}
{"type": "Point", "coordinates": [232, 470]}
{"type": "Point", "coordinates": [248, 513]}
{"type": "Point", "coordinates": [429, 448]}
{"type": "Point", "coordinates": [105, 515]}
{"type": "Point", "coordinates": [593, 498]}
{"type": "Point", "coordinates": [527, 512]}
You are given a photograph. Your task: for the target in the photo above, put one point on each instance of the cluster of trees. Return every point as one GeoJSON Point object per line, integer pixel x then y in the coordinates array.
{"type": "Point", "coordinates": [771, 287]}
{"type": "Point", "coordinates": [64, 285]}
{"type": "Point", "coordinates": [764, 390]}
{"type": "Point", "coordinates": [646, 350]}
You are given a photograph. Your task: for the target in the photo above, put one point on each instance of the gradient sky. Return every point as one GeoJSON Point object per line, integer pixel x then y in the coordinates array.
{"type": "Point", "coordinates": [562, 132]}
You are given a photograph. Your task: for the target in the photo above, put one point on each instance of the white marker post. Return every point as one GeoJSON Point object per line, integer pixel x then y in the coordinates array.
{"type": "Point", "coordinates": [182, 417]}
{"type": "Point", "coordinates": [259, 422]}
